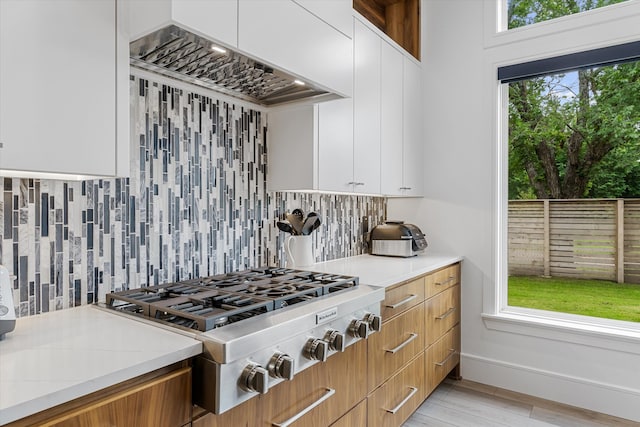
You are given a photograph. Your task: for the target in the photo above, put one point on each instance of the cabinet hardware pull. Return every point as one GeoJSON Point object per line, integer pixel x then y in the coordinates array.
{"type": "Point", "coordinates": [404, 301]}
{"type": "Point", "coordinates": [359, 183]}
{"type": "Point", "coordinates": [446, 314]}
{"type": "Point", "coordinates": [412, 337]}
{"type": "Point", "coordinates": [329, 392]}
{"type": "Point", "coordinates": [445, 282]}
{"type": "Point", "coordinates": [413, 391]}
{"type": "Point", "coordinates": [405, 188]}
{"type": "Point", "coordinates": [351, 183]}
{"type": "Point", "coordinates": [452, 352]}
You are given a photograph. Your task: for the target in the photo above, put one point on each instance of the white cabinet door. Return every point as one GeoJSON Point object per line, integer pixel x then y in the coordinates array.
{"type": "Point", "coordinates": [286, 35]}
{"type": "Point", "coordinates": [335, 145]}
{"type": "Point", "coordinates": [214, 20]}
{"type": "Point", "coordinates": [413, 177]}
{"type": "Point", "coordinates": [366, 119]}
{"type": "Point", "coordinates": [58, 86]}
{"type": "Point", "coordinates": [391, 125]}
{"type": "Point", "coordinates": [337, 13]}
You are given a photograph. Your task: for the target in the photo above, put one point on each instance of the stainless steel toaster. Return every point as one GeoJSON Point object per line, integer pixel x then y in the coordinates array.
{"type": "Point", "coordinates": [395, 238]}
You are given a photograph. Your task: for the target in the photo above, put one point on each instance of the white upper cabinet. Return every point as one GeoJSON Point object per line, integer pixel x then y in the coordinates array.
{"type": "Point", "coordinates": [217, 20]}
{"type": "Point", "coordinates": [366, 118]}
{"type": "Point", "coordinates": [335, 146]}
{"type": "Point", "coordinates": [286, 35]}
{"type": "Point", "coordinates": [391, 126]}
{"type": "Point", "coordinates": [413, 172]}
{"type": "Point", "coordinates": [337, 13]}
{"type": "Point", "coordinates": [64, 88]}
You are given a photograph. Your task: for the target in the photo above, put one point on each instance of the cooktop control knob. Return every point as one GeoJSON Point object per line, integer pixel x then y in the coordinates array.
{"type": "Point", "coordinates": [254, 378]}
{"type": "Point", "coordinates": [316, 349]}
{"type": "Point", "coordinates": [359, 328]}
{"type": "Point", "coordinates": [281, 366]}
{"type": "Point", "coordinates": [335, 339]}
{"type": "Point", "coordinates": [374, 321]}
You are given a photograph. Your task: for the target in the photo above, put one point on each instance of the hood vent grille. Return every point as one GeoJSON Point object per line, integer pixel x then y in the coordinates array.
{"type": "Point", "coordinates": [177, 53]}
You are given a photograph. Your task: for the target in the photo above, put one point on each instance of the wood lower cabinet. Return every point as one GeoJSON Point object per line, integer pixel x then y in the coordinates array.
{"type": "Point", "coordinates": [398, 398]}
{"type": "Point", "coordinates": [335, 386]}
{"type": "Point", "coordinates": [442, 357]}
{"type": "Point", "coordinates": [163, 401]}
{"type": "Point", "coordinates": [443, 312]}
{"type": "Point", "coordinates": [399, 341]}
{"type": "Point", "coordinates": [355, 417]}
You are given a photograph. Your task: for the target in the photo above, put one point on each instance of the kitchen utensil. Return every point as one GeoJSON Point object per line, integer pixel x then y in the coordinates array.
{"type": "Point", "coordinates": [310, 225]}
{"type": "Point", "coordinates": [299, 213]}
{"type": "Point", "coordinates": [296, 223]}
{"type": "Point", "coordinates": [285, 226]}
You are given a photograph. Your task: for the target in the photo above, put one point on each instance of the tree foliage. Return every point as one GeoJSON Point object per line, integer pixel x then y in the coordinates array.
{"type": "Point", "coordinates": [573, 135]}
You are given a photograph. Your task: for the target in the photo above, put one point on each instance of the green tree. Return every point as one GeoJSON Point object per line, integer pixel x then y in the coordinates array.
{"type": "Point", "coordinates": [573, 135]}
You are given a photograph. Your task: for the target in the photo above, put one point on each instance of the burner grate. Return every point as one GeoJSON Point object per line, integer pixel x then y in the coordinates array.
{"type": "Point", "coordinates": [211, 302]}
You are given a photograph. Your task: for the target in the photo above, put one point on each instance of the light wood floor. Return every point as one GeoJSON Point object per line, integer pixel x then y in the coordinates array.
{"type": "Point", "coordinates": [470, 404]}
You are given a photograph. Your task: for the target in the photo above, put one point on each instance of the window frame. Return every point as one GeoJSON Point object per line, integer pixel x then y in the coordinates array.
{"type": "Point", "coordinates": [527, 41]}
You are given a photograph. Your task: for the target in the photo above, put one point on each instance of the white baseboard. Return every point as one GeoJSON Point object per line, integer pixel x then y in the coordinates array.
{"type": "Point", "coordinates": [597, 396]}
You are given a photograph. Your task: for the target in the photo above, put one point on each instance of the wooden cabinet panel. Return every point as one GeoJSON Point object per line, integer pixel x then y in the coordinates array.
{"type": "Point", "coordinates": [442, 357]}
{"type": "Point", "coordinates": [355, 417]}
{"type": "Point", "coordinates": [399, 341]}
{"type": "Point", "coordinates": [244, 415]}
{"type": "Point", "coordinates": [401, 298]}
{"type": "Point", "coordinates": [443, 311]}
{"type": "Point", "coordinates": [442, 279]}
{"type": "Point", "coordinates": [395, 401]}
{"type": "Point", "coordinates": [343, 373]}
{"type": "Point", "coordinates": [165, 401]}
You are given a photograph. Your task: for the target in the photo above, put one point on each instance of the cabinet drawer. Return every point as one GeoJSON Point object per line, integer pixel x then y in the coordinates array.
{"type": "Point", "coordinates": [395, 401]}
{"type": "Point", "coordinates": [163, 401]}
{"type": "Point", "coordinates": [401, 298]}
{"type": "Point", "coordinates": [442, 357]}
{"type": "Point", "coordinates": [334, 387]}
{"type": "Point", "coordinates": [399, 341]}
{"type": "Point", "coordinates": [443, 311]}
{"type": "Point", "coordinates": [443, 279]}
{"type": "Point", "coordinates": [355, 417]}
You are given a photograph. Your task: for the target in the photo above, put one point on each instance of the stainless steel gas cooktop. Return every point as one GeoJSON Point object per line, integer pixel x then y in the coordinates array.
{"type": "Point", "coordinates": [258, 327]}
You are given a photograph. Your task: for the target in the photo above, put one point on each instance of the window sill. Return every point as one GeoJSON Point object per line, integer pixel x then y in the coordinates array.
{"type": "Point", "coordinates": [608, 334]}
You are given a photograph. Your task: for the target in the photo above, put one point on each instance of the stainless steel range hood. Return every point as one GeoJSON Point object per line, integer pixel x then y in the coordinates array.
{"type": "Point", "coordinates": [178, 53]}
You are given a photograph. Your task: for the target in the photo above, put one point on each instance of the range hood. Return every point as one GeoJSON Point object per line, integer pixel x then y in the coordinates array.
{"type": "Point", "coordinates": [175, 52]}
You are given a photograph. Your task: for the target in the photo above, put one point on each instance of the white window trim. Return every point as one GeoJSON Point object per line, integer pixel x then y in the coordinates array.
{"type": "Point", "coordinates": [497, 315]}
{"type": "Point", "coordinates": [496, 34]}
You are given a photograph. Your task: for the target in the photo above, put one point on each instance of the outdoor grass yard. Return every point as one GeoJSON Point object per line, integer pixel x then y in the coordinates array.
{"type": "Point", "coordinates": [595, 298]}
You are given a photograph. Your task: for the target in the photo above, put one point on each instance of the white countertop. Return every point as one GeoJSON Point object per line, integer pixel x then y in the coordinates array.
{"type": "Point", "coordinates": [55, 357]}
{"type": "Point", "coordinates": [385, 271]}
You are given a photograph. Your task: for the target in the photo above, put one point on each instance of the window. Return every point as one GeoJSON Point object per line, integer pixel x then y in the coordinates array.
{"type": "Point", "coordinates": [574, 183]}
{"type": "Point", "coordinates": [520, 13]}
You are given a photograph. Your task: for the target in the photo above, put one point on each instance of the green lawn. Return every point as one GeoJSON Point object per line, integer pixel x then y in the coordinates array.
{"type": "Point", "coordinates": [595, 298]}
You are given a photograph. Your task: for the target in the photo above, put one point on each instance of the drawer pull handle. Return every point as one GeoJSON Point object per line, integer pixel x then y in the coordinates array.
{"type": "Point", "coordinates": [404, 301]}
{"type": "Point", "coordinates": [452, 352]}
{"type": "Point", "coordinates": [329, 392]}
{"type": "Point", "coordinates": [407, 341]}
{"type": "Point", "coordinates": [413, 391]}
{"type": "Point", "coordinates": [449, 280]}
{"type": "Point", "coordinates": [446, 314]}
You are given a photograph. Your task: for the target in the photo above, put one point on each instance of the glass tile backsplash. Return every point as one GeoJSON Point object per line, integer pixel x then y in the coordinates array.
{"type": "Point", "coordinates": [195, 204]}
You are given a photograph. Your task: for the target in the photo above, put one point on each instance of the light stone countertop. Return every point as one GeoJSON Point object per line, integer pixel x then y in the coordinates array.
{"type": "Point", "coordinates": [56, 357]}
{"type": "Point", "coordinates": [385, 271]}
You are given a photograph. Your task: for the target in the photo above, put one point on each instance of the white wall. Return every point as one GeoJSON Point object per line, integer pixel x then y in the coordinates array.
{"type": "Point", "coordinates": [460, 55]}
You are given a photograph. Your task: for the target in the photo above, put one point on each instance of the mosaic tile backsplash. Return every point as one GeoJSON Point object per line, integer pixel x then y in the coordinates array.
{"type": "Point", "coordinates": [195, 204]}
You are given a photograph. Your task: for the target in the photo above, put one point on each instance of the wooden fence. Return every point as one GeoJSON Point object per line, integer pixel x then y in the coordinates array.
{"type": "Point", "coordinates": [588, 239]}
